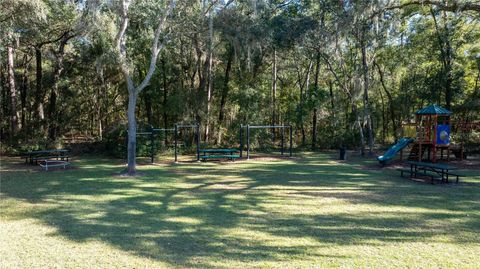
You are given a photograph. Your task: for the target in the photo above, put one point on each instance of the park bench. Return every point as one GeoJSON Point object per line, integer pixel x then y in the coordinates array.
{"type": "Point", "coordinates": [56, 163]}
{"type": "Point", "coordinates": [228, 154]}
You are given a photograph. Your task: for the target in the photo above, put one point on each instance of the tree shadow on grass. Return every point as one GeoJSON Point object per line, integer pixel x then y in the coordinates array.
{"type": "Point", "coordinates": [191, 215]}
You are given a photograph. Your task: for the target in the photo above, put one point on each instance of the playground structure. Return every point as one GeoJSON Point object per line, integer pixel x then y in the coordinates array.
{"type": "Point", "coordinates": [248, 129]}
{"type": "Point", "coordinates": [430, 137]}
{"type": "Point", "coordinates": [433, 134]}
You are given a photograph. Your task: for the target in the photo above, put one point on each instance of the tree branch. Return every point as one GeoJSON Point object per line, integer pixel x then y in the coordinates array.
{"type": "Point", "coordinates": [156, 46]}
{"type": "Point", "coordinates": [451, 6]}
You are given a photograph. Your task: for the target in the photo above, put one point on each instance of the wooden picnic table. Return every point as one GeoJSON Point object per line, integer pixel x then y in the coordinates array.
{"type": "Point", "coordinates": [34, 155]}
{"type": "Point", "coordinates": [438, 168]}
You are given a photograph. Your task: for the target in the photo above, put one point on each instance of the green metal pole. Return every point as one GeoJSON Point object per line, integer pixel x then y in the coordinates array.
{"type": "Point", "coordinates": [151, 146]}
{"type": "Point", "coordinates": [283, 139]}
{"type": "Point", "coordinates": [248, 142]}
{"type": "Point", "coordinates": [197, 129]}
{"type": "Point", "coordinates": [291, 135]}
{"type": "Point", "coordinates": [175, 144]}
{"type": "Point", "coordinates": [241, 140]}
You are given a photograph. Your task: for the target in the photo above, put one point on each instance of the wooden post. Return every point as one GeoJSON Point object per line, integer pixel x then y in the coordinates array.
{"type": "Point", "coordinates": [248, 141]}
{"type": "Point", "coordinates": [176, 141]}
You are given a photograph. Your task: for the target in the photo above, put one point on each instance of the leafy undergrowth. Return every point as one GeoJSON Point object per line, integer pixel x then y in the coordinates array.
{"type": "Point", "coordinates": [287, 213]}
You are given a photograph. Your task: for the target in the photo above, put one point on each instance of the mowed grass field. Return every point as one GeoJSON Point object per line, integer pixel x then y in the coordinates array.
{"type": "Point", "coordinates": [308, 212]}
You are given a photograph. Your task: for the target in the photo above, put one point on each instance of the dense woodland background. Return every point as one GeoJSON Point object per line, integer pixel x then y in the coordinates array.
{"type": "Point", "coordinates": [340, 72]}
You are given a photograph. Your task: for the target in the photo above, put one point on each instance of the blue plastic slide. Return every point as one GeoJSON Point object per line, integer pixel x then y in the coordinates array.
{"type": "Point", "coordinates": [401, 144]}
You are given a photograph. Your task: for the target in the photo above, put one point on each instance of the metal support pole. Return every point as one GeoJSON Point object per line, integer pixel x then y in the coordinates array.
{"type": "Point", "coordinates": [291, 135]}
{"type": "Point", "coordinates": [175, 144]}
{"type": "Point", "coordinates": [248, 142]}
{"type": "Point", "coordinates": [151, 146]}
{"type": "Point", "coordinates": [282, 139]}
{"type": "Point", "coordinates": [241, 140]}
{"type": "Point", "coordinates": [197, 136]}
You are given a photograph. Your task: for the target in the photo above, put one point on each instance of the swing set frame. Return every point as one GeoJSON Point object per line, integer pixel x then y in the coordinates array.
{"type": "Point", "coordinates": [250, 127]}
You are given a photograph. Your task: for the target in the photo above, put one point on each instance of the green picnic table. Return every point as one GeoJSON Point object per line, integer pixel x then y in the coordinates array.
{"type": "Point", "coordinates": [431, 170]}
{"type": "Point", "coordinates": [220, 153]}
{"type": "Point", "coordinates": [34, 156]}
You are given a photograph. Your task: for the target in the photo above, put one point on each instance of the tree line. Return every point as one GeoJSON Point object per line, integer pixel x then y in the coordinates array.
{"type": "Point", "coordinates": [343, 73]}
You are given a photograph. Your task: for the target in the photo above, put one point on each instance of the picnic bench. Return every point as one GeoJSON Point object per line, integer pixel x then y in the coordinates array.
{"type": "Point", "coordinates": [53, 163]}
{"type": "Point", "coordinates": [33, 157]}
{"type": "Point", "coordinates": [433, 171]}
{"type": "Point", "coordinates": [219, 154]}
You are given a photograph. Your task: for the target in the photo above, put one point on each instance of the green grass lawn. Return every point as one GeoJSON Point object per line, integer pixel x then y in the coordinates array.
{"type": "Point", "coordinates": [309, 212]}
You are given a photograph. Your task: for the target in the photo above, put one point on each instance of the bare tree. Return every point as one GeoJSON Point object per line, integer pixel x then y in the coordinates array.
{"type": "Point", "coordinates": [134, 90]}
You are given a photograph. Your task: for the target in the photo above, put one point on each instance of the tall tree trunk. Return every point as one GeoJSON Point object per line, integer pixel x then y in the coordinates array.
{"type": "Point", "coordinates": [14, 115]}
{"type": "Point", "coordinates": [384, 120]}
{"type": "Point", "coordinates": [53, 123]}
{"type": "Point", "coordinates": [446, 56]}
{"type": "Point", "coordinates": [165, 99]}
{"type": "Point", "coordinates": [303, 89]}
{"type": "Point", "coordinates": [133, 91]}
{"type": "Point", "coordinates": [274, 91]}
{"type": "Point", "coordinates": [332, 106]}
{"type": "Point", "coordinates": [315, 108]}
{"type": "Point", "coordinates": [359, 126]}
{"type": "Point", "coordinates": [132, 130]}
{"type": "Point", "coordinates": [210, 76]}
{"type": "Point", "coordinates": [448, 64]}
{"type": "Point", "coordinates": [23, 92]}
{"type": "Point", "coordinates": [366, 103]}
{"type": "Point", "coordinates": [390, 101]}
{"type": "Point", "coordinates": [148, 106]}
{"type": "Point", "coordinates": [224, 94]}
{"type": "Point", "coordinates": [39, 94]}
{"type": "Point", "coordinates": [3, 98]}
